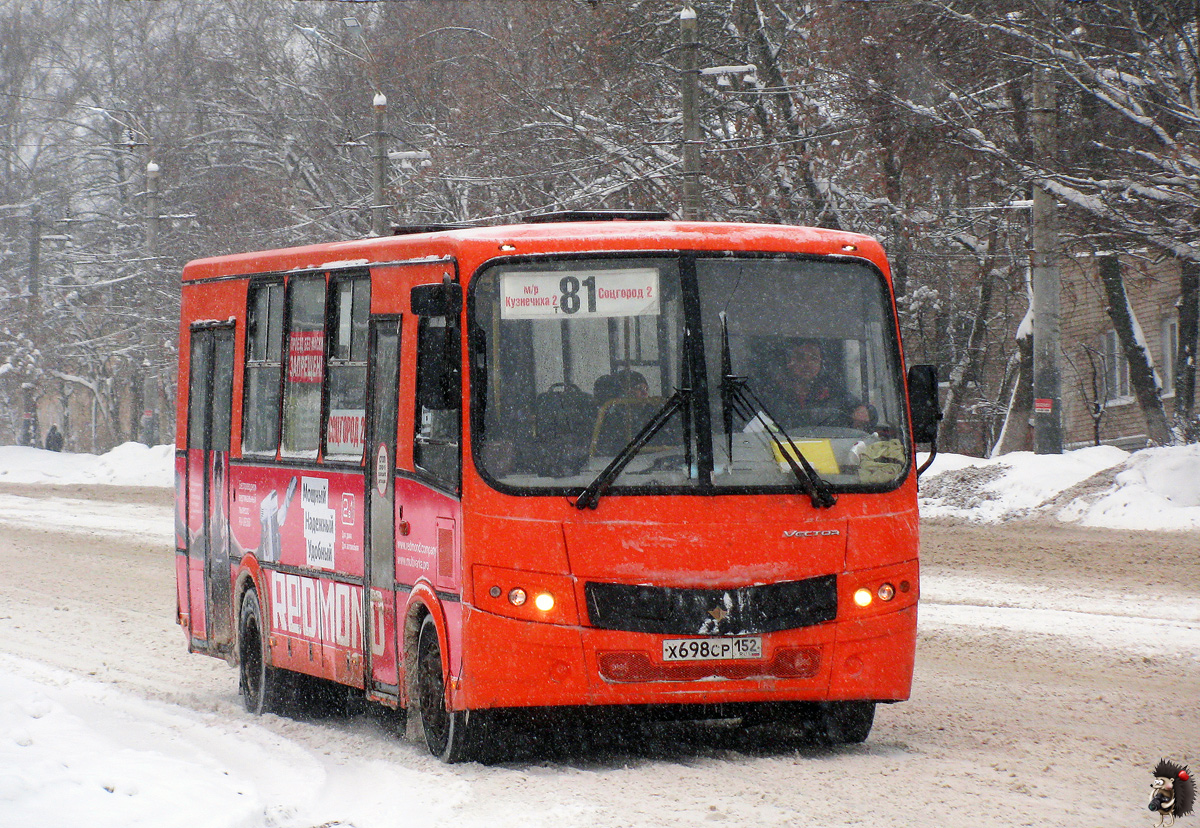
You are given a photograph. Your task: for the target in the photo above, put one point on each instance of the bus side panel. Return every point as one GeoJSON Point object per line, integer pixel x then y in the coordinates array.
{"type": "Point", "coordinates": [311, 522]}
{"type": "Point", "coordinates": [180, 500]}
{"type": "Point", "coordinates": [431, 553]}
{"type": "Point", "coordinates": [316, 626]}
{"type": "Point", "coordinates": [196, 519]}
{"type": "Point", "coordinates": [307, 518]}
{"type": "Point", "coordinates": [182, 609]}
{"type": "Point", "coordinates": [182, 606]}
{"type": "Point", "coordinates": [430, 549]}
{"type": "Point", "coordinates": [384, 660]}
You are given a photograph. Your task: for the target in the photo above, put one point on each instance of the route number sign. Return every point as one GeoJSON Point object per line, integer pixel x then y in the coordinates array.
{"type": "Point", "coordinates": [580, 295]}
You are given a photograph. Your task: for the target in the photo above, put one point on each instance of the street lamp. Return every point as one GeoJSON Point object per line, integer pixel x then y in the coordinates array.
{"type": "Point", "coordinates": [352, 25]}
{"type": "Point", "coordinates": [379, 106]}
{"type": "Point", "coordinates": [690, 80]}
{"type": "Point", "coordinates": [690, 73]}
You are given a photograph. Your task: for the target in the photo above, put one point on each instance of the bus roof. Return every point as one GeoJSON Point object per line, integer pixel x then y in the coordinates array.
{"type": "Point", "coordinates": [476, 244]}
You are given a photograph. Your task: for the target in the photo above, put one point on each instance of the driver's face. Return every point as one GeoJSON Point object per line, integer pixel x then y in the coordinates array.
{"type": "Point", "coordinates": [804, 361]}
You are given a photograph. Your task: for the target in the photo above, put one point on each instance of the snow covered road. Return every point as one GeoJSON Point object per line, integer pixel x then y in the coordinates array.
{"type": "Point", "coordinates": [1055, 666]}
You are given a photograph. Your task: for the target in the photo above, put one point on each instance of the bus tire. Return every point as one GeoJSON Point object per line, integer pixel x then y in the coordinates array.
{"type": "Point", "coordinates": [259, 684]}
{"type": "Point", "coordinates": [845, 722]}
{"type": "Point", "coordinates": [451, 735]}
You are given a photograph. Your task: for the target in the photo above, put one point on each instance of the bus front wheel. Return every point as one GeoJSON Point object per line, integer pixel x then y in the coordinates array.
{"type": "Point", "coordinates": [826, 723]}
{"type": "Point", "coordinates": [259, 684]}
{"type": "Point", "coordinates": [450, 735]}
{"type": "Point", "coordinates": [845, 722]}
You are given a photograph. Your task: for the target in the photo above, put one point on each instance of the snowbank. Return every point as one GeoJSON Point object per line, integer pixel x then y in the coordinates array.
{"type": "Point", "coordinates": [131, 464]}
{"type": "Point", "coordinates": [1157, 489]}
{"type": "Point", "coordinates": [74, 751]}
{"type": "Point", "coordinates": [67, 763]}
{"type": "Point", "coordinates": [1154, 489]}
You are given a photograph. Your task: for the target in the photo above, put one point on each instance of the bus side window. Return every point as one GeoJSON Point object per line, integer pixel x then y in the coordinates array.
{"type": "Point", "coordinates": [306, 367]}
{"type": "Point", "coordinates": [264, 339]}
{"type": "Point", "coordinates": [439, 400]}
{"type": "Point", "coordinates": [347, 368]}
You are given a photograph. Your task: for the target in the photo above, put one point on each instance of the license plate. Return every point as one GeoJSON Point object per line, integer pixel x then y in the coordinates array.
{"type": "Point", "coordinates": [711, 649]}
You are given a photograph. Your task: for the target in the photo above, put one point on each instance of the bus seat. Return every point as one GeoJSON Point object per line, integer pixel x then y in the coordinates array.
{"type": "Point", "coordinates": [562, 415]}
{"type": "Point", "coordinates": [620, 419]}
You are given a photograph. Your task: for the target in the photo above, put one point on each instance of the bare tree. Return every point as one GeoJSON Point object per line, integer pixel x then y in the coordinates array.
{"type": "Point", "coordinates": [1091, 386]}
{"type": "Point", "coordinates": [1142, 376]}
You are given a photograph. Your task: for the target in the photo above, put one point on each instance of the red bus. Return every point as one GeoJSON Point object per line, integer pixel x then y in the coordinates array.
{"type": "Point", "coordinates": [589, 462]}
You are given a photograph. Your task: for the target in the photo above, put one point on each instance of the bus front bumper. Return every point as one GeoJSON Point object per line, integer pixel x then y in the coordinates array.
{"type": "Point", "coordinates": [514, 663]}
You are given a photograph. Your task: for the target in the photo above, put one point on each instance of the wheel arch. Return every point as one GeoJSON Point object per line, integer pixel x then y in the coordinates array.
{"type": "Point", "coordinates": [422, 601]}
{"type": "Point", "coordinates": [250, 577]}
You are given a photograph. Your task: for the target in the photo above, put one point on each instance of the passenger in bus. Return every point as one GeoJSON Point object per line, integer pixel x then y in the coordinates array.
{"type": "Point", "coordinates": [625, 406]}
{"type": "Point", "coordinates": [607, 387]}
{"type": "Point", "coordinates": [625, 383]}
{"type": "Point", "coordinates": [806, 394]}
{"type": "Point", "coordinates": [632, 384]}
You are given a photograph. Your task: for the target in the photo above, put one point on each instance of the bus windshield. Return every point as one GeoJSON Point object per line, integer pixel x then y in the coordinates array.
{"type": "Point", "coordinates": [577, 361]}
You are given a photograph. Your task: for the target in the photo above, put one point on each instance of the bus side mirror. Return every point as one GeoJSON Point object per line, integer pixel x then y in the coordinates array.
{"type": "Point", "coordinates": [923, 400]}
{"type": "Point", "coordinates": [442, 299]}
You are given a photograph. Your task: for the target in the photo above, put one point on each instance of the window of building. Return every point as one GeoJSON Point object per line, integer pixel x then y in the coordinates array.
{"type": "Point", "coordinates": [1116, 369]}
{"type": "Point", "coordinates": [1170, 350]}
{"type": "Point", "coordinates": [264, 342]}
{"type": "Point", "coordinates": [351, 304]}
{"type": "Point", "coordinates": [306, 367]}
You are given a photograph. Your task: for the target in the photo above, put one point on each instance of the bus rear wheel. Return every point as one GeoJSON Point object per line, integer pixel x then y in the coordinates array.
{"type": "Point", "coordinates": [260, 685]}
{"type": "Point", "coordinates": [451, 735]}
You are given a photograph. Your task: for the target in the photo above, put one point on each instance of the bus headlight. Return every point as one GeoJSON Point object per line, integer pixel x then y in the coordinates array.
{"type": "Point", "coordinates": [862, 597]}
{"type": "Point", "coordinates": [544, 597]}
{"type": "Point", "coordinates": [886, 592]}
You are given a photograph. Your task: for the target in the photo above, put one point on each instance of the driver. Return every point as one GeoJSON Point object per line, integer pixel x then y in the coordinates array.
{"type": "Point", "coordinates": [808, 395]}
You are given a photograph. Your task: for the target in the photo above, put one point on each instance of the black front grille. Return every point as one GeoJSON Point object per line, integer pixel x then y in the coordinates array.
{"type": "Point", "coordinates": [751, 609]}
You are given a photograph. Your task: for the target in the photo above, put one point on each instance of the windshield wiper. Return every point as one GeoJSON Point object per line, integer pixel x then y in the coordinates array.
{"type": "Point", "coordinates": [676, 402]}
{"type": "Point", "coordinates": [736, 397]}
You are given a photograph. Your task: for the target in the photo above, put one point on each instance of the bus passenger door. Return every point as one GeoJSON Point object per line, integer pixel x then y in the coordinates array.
{"type": "Point", "coordinates": [210, 394]}
{"type": "Point", "coordinates": [380, 608]}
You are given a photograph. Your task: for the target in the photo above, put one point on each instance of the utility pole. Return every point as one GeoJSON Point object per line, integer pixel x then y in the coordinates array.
{"type": "Point", "coordinates": [690, 88]}
{"type": "Point", "coordinates": [29, 419]}
{"type": "Point", "coordinates": [153, 215]}
{"type": "Point", "coordinates": [379, 173]}
{"type": "Point", "coordinates": [35, 255]}
{"type": "Point", "coordinates": [378, 208]}
{"type": "Point", "coordinates": [143, 427]}
{"type": "Point", "coordinates": [1047, 382]}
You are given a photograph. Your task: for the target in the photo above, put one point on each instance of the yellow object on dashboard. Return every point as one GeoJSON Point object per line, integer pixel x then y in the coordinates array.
{"type": "Point", "coordinates": [819, 454]}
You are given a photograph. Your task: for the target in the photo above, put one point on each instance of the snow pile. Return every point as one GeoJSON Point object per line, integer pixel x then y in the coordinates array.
{"type": "Point", "coordinates": [1155, 489]}
{"type": "Point", "coordinates": [69, 756]}
{"type": "Point", "coordinates": [74, 751]}
{"type": "Point", "coordinates": [131, 464]}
